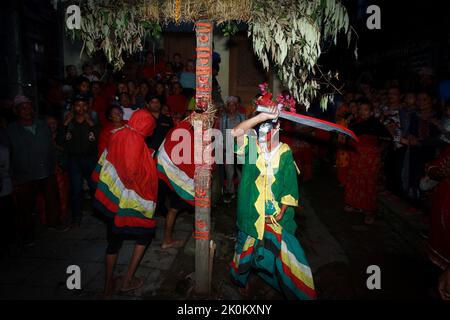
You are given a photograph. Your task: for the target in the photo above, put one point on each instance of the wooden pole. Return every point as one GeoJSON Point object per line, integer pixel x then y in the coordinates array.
{"type": "Point", "coordinates": [202, 179]}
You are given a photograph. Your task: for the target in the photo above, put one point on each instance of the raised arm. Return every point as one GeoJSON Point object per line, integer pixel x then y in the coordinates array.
{"type": "Point", "coordinates": [244, 126]}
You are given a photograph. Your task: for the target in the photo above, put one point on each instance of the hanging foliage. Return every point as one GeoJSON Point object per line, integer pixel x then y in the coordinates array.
{"type": "Point", "coordinates": [229, 28]}
{"type": "Point", "coordinates": [287, 34]}
{"type": "Point", "coordinates": [118, 28]}
{"type": "Point", "coordinates": [290, 34]}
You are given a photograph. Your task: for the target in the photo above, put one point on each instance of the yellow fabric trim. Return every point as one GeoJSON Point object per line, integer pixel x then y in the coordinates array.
{"type": "Point", "coordinates": [265, 187]}
{"type": "Point", "coordinates": [241, 149]}
{"type": "Point", "coordinates": [284, 148]}
{"type": "Point", "coordinates": [276, 159]}
{"type": "Point", "coordinates": [273, 220]}
{"type": "Point", "coordinates": [101, 161]}
{"type": "Point", "coordinates": [296, 167]}
{"type": "Point", "coordinates": [301, 271]}
{"type": "Point", "coordinates": [180, 178]}
{"type": "Point", "coordinates": [128, 199]}
{"type": "Point", "coordinates": [289, 201]}
{"type": "Point", "coordinates": [249, 242]}
{"type": "Point", "coordinates": [260, 203]}
{"type": "Point", "coordinates": [124, 201]}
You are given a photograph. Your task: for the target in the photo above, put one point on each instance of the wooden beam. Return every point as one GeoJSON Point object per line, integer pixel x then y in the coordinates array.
{"type": "Point", "coordinates": [202, 180]}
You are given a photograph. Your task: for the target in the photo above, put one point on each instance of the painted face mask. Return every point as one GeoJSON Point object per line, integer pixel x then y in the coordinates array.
{"type": "Point", "coordinates": [263, 131]}
{"type": "Point", "coordinates": [266, 132]}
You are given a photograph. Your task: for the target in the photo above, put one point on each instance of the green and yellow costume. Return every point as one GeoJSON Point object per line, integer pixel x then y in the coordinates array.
{"type": "Point", "coordinates": [269, 180]}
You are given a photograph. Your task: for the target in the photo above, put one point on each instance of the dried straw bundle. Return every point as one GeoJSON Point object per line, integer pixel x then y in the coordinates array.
{"type": "Point", "coordinates": [150, 10]}
{"type": "Point", "coordinates": [206, 117]}
{"type": "Point", "coordinates": [194, 10]}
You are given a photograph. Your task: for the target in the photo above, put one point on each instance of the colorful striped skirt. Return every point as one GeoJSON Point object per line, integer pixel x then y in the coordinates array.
{"type": "Point", "coordinates": [131, 214]}
{"type": "Point", "coordinates": [278, 259]}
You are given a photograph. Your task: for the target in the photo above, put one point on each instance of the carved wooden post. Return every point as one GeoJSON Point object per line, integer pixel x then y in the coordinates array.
{"type": "Point", "coordinates": [202, 180]}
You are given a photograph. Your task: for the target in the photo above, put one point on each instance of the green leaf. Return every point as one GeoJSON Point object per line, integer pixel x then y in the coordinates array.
{"type": "Point", "coordinates": [324, 102]}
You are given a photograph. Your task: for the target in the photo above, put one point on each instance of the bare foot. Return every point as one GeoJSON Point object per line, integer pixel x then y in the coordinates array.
{"type": "Point", "coordinates": [133, 284]}
{"type": "Point", "coordinates": [109, 291]}
{"type": "Point", "coordinates": [173, 244]}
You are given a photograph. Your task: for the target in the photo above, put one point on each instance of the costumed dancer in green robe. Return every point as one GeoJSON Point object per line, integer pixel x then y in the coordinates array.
{"type": "Point", "coordinates": [267, 195]}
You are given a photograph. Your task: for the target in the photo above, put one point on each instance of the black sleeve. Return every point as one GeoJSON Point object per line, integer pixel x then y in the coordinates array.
{"type": "Point", "coordinates": [96, 130]}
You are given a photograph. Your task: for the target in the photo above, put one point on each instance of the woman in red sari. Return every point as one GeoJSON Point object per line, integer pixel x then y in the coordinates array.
{"type": "Point", "coordinates": [365, 162]}
{"type": "Point", "coordinates": [439, 238]}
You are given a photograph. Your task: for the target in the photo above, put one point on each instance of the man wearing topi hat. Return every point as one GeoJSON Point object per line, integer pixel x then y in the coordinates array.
{"type": "Point", "coordinates": [33, 164]}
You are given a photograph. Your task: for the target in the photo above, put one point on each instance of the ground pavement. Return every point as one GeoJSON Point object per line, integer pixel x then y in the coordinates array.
{"type": "Point", "coordinates": [39, 272]}
{"type": "Point", "coordinates": [338, 245]}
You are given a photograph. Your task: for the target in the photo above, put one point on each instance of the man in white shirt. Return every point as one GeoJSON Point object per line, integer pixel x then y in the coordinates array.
{"type": "Point", "coordinates": [127, 108]}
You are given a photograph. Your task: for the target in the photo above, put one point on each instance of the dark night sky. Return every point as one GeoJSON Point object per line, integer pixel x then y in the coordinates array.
{"type": "Point", "coordinates": [402, 21]}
